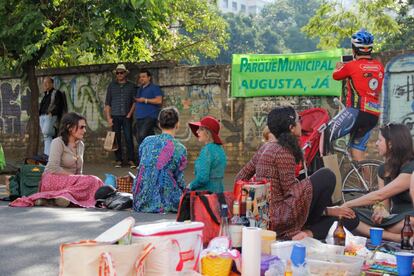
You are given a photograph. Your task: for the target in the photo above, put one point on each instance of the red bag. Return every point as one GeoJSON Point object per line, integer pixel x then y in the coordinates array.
{"type": "Point", "coordinates": [204, 206]}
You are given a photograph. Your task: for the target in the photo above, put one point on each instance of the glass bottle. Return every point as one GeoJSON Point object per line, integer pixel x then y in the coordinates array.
{"type": "Point", "coordinates": [224, 223]}
{"type": "Point", "coordinates": [236, 219]}
{"type": "Point", "coordinates": [236, 226]}
{"type": "Point", "coordinates": [339, 234]}
{"type": "Point", "coordinates": [407, 234]}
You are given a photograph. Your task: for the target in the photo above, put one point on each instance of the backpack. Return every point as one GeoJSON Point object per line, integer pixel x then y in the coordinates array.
{"type": "Point", "coordinates": [26, 181]}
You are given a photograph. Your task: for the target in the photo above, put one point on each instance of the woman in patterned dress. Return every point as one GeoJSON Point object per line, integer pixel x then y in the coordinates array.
{"type": "Point", "coordinates": [297, 209]}
{"type": "Point", "coordinates": [62, 181]}
{"type": "Point", "coordinates": [160, 180]}
{"type": "Point", "coordinates": [211, 163]}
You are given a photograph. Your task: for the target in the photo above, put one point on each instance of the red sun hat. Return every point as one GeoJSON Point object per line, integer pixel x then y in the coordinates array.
{"type": "Point", "coordinates": [211, 124]}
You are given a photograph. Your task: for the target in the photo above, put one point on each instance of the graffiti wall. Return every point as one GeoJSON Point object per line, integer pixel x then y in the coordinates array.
{"type": "Point", "coordinates": [196, 92]}
{"type": "Point", "coordinates": [398, 100]}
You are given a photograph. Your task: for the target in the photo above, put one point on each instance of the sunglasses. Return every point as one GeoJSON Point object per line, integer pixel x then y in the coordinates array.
{"type": "Point", "coordinates": [120, 72]}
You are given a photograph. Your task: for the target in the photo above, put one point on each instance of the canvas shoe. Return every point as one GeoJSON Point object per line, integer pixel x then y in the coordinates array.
{"type": "Point", "coordinates": [118, 164]}
{"type": "Point", "coordinates": [132, 165]}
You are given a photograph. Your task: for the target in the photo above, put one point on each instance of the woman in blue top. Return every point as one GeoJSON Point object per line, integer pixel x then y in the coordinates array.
{"type": "Point", "coordinates": [211, 163]}
{"type": "Point", "coordinates": [160, 180]}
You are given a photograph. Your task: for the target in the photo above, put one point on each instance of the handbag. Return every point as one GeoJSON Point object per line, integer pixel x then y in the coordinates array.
{"type": "Point", "coordinates": [205, 207]}
{"type": "Point", "coordinates": [110, 143]}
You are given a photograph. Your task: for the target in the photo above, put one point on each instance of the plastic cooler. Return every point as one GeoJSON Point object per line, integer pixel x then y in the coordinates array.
{"type": "Point", "coordinates": [177, 246]}
{"type": "Point", "coordinates": [329, 264]}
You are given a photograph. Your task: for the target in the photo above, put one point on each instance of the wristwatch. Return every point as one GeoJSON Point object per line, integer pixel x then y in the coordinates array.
{"type": "Point", "coordinates": [146, 100]}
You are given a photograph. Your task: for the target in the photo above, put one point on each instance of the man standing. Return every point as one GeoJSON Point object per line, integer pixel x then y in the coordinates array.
{"type": "Point", "coordinates": [148, 103]}
{"type": "Point", "coordinates": [50, 112]}
{"type": "Point", "coordinates": [119, 108]}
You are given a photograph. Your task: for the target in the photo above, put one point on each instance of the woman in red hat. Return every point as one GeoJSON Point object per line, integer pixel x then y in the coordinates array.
{"type": "Point", "coordinates": [211, 163]}
{"type": "Point", "coordinates": [297, 209]}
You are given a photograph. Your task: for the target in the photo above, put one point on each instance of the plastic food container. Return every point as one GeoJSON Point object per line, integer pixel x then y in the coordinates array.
{"type": "Point", "coordinates": [268, 237]}
{"type": "Point", "coordinates": [329, 264]}
{"type": "Point", "coordinates": [282, 249]}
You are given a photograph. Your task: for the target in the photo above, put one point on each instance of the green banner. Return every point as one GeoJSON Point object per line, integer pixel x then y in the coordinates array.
{"type": "Point", "coordinates": [300, 74]}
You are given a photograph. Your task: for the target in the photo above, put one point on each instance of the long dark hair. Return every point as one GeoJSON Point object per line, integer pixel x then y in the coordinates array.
{"type": "Point", "coordinates": [168, 117]}
{"type": "Point", "coordinates": [69, 120]}
{"type": "Point", "coordinates": [279, 122]}
{"type": "Point", "coordinates": [399, 146]}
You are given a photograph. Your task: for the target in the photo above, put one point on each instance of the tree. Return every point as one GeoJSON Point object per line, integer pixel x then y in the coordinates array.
{"type": "Point", "coordinates": [71, 32]}
{"type": "Point", "coordinates": [277, 29]}
{"type": "Point", "coordinates": [333, 23]}
{"type": "Point", "coordinates": [405, 38]}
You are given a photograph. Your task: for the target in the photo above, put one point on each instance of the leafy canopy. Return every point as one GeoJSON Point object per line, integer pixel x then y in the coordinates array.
{"type": "Point", "coordinates": [72, 32]}
{"type": "Point", "coordinates": [333, 23]}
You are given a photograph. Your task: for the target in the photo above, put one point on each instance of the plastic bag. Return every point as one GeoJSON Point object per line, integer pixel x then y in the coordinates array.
{"type": "Point", "coordinates": [329, 238]}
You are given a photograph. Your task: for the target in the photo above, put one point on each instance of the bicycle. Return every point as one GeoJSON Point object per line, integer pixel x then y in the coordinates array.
{"type": "Point", "coordinates": [361, 177]}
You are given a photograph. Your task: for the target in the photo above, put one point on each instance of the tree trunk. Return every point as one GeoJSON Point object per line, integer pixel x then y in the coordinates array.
{"type": "Point", "coordinates": [33, 123]}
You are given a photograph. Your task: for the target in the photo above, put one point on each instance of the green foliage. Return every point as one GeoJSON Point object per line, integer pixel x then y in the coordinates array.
{"type": "Point", "coordinates": [333, 23]}
{"type": "Point", "coordinates": [61, 33]}
{"type": "Point", "coordinates": [405, 38]}
{"type": "Point", "coordinates": [275, 30]}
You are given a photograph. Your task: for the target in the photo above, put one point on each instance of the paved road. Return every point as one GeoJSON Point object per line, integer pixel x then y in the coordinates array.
{"type": "Point", "coordinates": [30, 237]}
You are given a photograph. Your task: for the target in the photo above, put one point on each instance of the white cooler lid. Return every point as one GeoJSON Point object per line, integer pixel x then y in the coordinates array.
{"type": "Point", "coordinates": [165, 227]}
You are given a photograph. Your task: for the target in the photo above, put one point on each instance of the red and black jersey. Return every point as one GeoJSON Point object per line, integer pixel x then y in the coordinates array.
{"type": "Point", "coordinates": [364, 84]}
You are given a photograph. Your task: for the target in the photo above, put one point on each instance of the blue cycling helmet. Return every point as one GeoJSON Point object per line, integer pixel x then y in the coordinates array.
{"type": "Point", "coordinates": [363, 42]}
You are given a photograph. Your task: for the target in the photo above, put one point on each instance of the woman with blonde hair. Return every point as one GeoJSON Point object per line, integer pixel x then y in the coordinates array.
{"type": "Point", "coordinates": [211, 163]}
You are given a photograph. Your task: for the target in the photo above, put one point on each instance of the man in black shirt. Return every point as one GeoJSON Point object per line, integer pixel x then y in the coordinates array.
{"type": "Point", "coordinates": [51, 110]}
{"type": "Point", "coordinates": [119, 108]}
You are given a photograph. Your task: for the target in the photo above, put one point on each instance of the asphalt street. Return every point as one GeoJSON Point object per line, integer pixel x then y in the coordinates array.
{"type": "Point", "coordinates": [30, 237]}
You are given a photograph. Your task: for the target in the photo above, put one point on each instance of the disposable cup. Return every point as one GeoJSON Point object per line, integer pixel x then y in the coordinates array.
{"type": "Point", "coordinates": [298, 254]}
{"type": "Point", "coordinates": [376, 235]}
{"type": "Point", "coordinates": [404, 263]}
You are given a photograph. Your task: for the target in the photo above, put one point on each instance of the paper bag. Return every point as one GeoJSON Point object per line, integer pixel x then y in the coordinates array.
{"type": "Point", "coordinates": [110, 141]}
{"type": "Point", "coordinates": [331, 162]}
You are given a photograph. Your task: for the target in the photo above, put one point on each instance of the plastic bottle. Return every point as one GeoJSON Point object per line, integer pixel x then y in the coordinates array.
{"type": "Point", "coordinates": [288, 268]}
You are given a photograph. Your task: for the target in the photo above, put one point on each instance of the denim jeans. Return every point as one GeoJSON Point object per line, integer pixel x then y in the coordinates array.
{"type": "Point", "coordinates": [122, 123]}
{"type": "Point", "coordinates": [47, 126]}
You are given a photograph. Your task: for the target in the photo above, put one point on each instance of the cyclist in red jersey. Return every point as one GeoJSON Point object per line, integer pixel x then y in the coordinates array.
{"type": "Point", "coordinates": [364, 76]}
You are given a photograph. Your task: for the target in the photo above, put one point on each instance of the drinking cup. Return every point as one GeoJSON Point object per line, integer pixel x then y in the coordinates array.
{"type": "Point", "coordinates": [404, 263]}
{"type": "Point", "coordinates": [298, 254]}
{"type": "Point", "coordinates": [376, 235]}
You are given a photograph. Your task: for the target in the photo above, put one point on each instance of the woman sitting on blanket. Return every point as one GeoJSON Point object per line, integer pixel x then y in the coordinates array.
{"type": "Point", "coordinates": [297, 209]}
{"type": "Point", "coordinates": [392, 200]}
{"type": "Point", "coordinates": [62, 181]}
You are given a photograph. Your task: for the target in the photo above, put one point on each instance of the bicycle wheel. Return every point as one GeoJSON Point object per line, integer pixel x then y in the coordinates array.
{"type": "Point", "coordinates": [360, 179]}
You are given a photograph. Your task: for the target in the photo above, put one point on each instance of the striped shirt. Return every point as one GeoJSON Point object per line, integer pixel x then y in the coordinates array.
{"type": "Point", "coordinates": [120, 97]}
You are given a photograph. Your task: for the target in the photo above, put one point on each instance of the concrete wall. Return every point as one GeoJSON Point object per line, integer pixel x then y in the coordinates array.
{"type": "Point", "coordinates": [196, 92]}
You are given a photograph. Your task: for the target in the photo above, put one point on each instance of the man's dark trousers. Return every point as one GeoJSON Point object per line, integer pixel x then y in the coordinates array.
{"type": "Point", "coordinates": [123, 123]}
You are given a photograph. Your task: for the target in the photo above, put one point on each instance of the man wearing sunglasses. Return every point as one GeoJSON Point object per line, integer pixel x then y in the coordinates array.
{"type": "Point", "coordinates": [119, 108]}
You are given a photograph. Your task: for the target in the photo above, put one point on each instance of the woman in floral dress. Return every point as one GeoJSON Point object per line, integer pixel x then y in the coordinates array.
{"type": "Point", "coordinates": [160, 180]}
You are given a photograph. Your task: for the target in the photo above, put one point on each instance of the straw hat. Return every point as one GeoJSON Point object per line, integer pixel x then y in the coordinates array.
{"type": "Point", "coordinates": [120, 67]}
